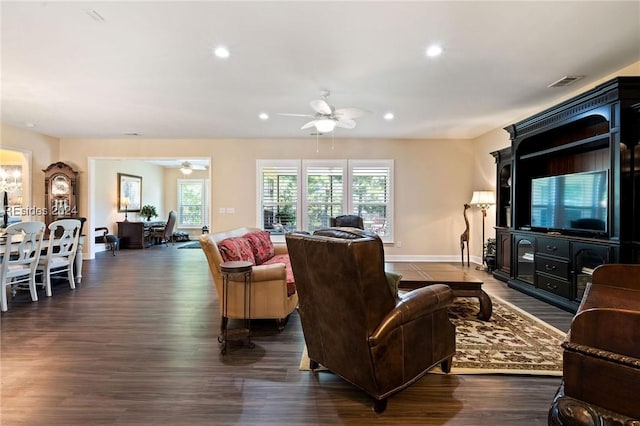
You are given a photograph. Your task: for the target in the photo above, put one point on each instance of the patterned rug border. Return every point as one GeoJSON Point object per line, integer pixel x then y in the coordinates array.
{"type": "Point", "coordinates": [559, 335]}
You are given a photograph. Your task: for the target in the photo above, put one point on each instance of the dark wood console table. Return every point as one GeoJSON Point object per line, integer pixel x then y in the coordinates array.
{"type": "Point", "coordinates": [135, 235]}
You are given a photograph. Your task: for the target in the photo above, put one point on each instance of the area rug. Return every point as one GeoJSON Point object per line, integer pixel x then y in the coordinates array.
{"type": "Point", "coordinates": [191, 245]}
{"type": "Point", "coordinates": [512, 342]}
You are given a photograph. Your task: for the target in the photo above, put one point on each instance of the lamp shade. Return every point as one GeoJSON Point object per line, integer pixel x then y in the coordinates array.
{"type": "Point", "coordinates": [483, 199]}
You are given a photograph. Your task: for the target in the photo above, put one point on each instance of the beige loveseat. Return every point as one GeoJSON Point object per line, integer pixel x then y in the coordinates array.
{"type": "Point", "coordinates": [271, 296]}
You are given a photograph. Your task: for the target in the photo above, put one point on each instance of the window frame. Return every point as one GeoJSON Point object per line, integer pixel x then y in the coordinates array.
{"type": "Point", "coordinates": [375, 164]}
{"type": "Point", "coordinates": [302, 166]}
{"type": "Point", "coordinates": [260, 166]}
{"type": "Point", "coordinates": [305, 203]}
{"type": "Point", "coordinates": [204, 204]}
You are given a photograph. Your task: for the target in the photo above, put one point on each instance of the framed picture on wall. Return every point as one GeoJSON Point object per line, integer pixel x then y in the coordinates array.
{"type": "Point", "coordinates": [129, 192]}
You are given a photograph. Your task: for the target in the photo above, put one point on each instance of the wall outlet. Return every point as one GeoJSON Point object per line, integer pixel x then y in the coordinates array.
{"type": "Point", "coordinates": [231, 210]}
{"type": "Point", "coordinates": [399, 244]}
{"type": "Point", "coordinates": [222, 210]}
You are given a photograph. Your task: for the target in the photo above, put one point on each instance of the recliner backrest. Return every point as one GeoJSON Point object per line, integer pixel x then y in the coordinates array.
{"type": "Point", "coordinates": [348, 220]}
{"type": "Point", "coordinates": [343, 295]}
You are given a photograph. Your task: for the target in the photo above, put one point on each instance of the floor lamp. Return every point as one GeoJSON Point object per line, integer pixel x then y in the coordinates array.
{"type": "Point", "coordinates": [483, 200]}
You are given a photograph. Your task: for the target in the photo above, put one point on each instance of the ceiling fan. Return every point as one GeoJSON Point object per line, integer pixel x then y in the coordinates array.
{"type": "Point", "coordinates": [327, 118]}
{"type": "Point", "coordinates": [186, 167]}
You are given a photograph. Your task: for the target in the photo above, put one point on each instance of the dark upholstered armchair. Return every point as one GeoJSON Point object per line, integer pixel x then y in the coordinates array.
{"type": "Point", "coordinates": [350, 220]}
{"type": "Point", "coordinates": [164, 234]}
{"type": "Point", "coordinates": [352, 322]}
{"type": "Point", "coordinates": [601, 371]}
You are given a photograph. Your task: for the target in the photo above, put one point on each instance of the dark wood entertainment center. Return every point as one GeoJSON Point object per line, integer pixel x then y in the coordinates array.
{"type": "Point", "coordinates": [598, 130]}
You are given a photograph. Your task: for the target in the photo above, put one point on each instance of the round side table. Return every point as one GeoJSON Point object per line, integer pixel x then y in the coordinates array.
{"type": "Point", "coordinates": [228, 269]}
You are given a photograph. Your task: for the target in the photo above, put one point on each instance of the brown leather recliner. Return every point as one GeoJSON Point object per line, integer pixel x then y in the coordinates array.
{"type": "Point", "coordinates": [601, 371]}
{"type": "Point", "coordinates": [352, 322]}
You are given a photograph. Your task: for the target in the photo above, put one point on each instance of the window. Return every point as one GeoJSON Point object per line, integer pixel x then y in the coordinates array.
{"type": "Point", "coordinates": [305, 194]}
{"type": "Point", "coordinates": [278, 192]}
{"type": "Point", "coordinates": [324, 193]}
{"type": "Point", "coordinates": [371, 194]}
{"type": "Point", "coordinates": [192, 203]}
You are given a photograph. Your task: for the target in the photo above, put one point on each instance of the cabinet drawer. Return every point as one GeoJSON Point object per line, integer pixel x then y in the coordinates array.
{"type": "Point", "coordinates": [553, 285]}
{"type": "Point", "coordinates": [553, 247]}
{"type": "Point", "coordinates": [548, 265]}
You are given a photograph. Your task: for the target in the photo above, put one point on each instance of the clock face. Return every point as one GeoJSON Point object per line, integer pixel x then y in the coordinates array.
{"type": "Point", "coordinates": [60, 186]}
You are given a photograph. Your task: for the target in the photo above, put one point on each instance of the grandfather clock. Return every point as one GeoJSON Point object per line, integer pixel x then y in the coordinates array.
{"type": "Point", "coordinates": [60, 192]}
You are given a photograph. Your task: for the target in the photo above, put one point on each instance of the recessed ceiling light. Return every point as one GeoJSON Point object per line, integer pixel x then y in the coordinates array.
{"type": "Point", "coordinates": [263, 116]}
{"type": "Point", "coordinates": [389, 116]}
{"type": "Point", "coordinates": [221, 52]}
{"type": "Point", "coordinates": [30, 125]}
{"type": "Point", "coordinates": [434, 50]}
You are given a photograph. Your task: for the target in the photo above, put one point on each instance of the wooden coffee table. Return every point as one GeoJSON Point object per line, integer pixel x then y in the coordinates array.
{"type": "Point", "coordinates": [462, 283]}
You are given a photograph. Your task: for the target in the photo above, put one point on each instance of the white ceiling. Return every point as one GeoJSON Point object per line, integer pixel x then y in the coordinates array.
{"type": "Point", "coordinates": [148, 67]}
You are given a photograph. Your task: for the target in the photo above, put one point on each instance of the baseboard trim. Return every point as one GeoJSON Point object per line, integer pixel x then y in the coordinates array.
{"type": "Point", "coordinates": [429, 258]}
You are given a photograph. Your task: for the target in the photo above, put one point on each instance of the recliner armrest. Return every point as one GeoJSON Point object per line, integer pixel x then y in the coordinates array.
{"type": "Point", "coordinates": [609, 329]}
{"type": "Point", "coordinates": [414, 304]}
{"type": "Point", "coordinates": [602, 354]}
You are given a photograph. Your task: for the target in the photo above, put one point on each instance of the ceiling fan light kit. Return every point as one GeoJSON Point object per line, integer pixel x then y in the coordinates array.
{"type": "Point", "coordinates": [186, 168]}
{"type": "Point", "coordinates": [325, 125]}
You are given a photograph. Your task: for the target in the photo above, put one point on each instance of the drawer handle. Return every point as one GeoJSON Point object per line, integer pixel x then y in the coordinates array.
{"type": "Point", "coordinates": [552, 248]}
{"type": "Point", "coordinates": [550, 267]}
{"type": "Point", "coordinates": [552, 286]}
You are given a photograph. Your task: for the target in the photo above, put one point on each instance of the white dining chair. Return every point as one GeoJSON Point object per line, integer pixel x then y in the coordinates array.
{"type": "Point", "coordinates": [61, 252]}
{"type": "Point", "coordinates": [20, 258]}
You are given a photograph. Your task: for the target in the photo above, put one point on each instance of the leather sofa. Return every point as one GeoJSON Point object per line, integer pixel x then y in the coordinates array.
{"type": "Point", "coordinates": [273, 294]}
{"type": "Point", "coordinates": [601, 358]}
{"type": "Point", "coordinates": [355, 326]}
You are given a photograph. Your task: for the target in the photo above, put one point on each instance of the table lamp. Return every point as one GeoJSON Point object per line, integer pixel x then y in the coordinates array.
{"type": "Point", "coordinates": [125, 202]}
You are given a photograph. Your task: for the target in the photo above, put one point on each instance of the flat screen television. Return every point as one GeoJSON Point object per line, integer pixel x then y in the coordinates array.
{"type": "Point", "coordinates": [572, 202]}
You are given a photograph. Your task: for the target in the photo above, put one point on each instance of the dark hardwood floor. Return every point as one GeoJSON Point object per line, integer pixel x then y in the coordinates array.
{"type": "Point", "coordinates": [135, 344]}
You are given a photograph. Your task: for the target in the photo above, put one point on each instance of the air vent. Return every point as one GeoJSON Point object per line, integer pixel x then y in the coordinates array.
{"type": "Point", "coordinates": [94, 15]}
{"type": "Point", "coordinates": [566, 80]}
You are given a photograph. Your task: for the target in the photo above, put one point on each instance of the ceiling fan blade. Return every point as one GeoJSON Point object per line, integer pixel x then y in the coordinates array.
{"type": "Point", "coordinates": [286, 114]}
{"type": "Point", "coordinates": [321, 106]}
{"type": "Point", "coordinates": [346, 123]}
{"type": "Point", "coordinates": [348, 113]}
{"type": "Point", "coordinates": [309, 124]}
